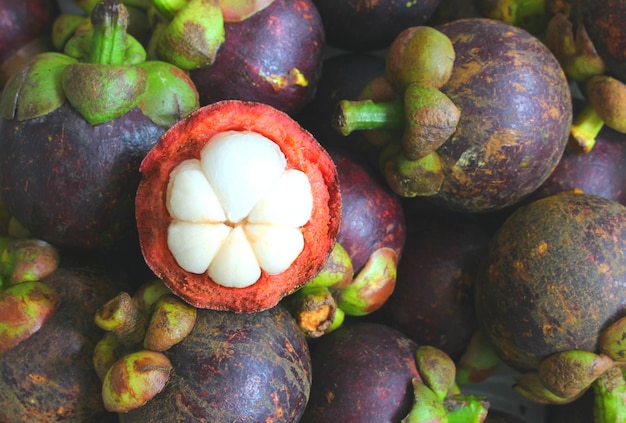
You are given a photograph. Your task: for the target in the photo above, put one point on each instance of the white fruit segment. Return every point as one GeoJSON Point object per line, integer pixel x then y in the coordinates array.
{"type": "Point", "coordinates": [237, 210]}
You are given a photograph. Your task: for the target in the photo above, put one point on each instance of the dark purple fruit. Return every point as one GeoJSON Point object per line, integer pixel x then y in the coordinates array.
{"type": "Point", "coordinates": [234, 367]}
{"type": "Point", "coordinates": [553, 278]}
{"type": "Point", "coordinates": [372, 215]}
{"type": "Point", "coordinates": [40, 178]}
{"type": "Point", "coordinates": [516, 112]}
{"type": "Point", "coordinates": [362, 373]}
{"type": "Point", "coordinates": [601, 171]}
{"type": "Point", "coordinates": [367, 26]}
{"type": "Point", "coordinates": [50, 376]}
{"type": "Point", "coordinates": [433, 301]}
{"type": "Point", "coordinates": [273, 57]}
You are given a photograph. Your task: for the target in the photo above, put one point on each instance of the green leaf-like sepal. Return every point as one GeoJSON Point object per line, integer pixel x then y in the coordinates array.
{"type": "Point", "coordinates": [35, 89]}
{"type": "Point", "coordinates": [170, 94]}
{"type": "Point", "coordinates": [193, 37]}
{"type": "Point", "coordinates": [101, 92]}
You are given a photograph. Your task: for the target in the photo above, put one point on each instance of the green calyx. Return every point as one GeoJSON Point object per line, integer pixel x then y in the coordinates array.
{"type": "Point", "coordinates": [26, 303]}
{"type": "Point", "coordinates": [436, 398]}
{"type": "Point", "coordinates": [189, 33]}
{"type": "Point", "coordinates": [129, 359]}
{"type": "Point", "coordinates": [103, 74]}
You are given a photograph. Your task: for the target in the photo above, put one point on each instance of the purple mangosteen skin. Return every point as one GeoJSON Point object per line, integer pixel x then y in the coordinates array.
{"type": "Point", "coordinates": [273, 57]}
{"type": "Point", "coordinates": [234, 367]}
{"type": "Point", "coordinates": [361, 373]}
{"type": "Point", "coordinates": [71, 183]}
{"type": "Point", "coordinates": [516, 112]}
{"type": "Point", "coordinates": [372, 215]}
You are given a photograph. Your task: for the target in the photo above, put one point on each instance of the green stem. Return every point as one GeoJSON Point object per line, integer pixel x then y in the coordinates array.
{"type": "Point", "coordinates": [365, 114]}
{"type": "Point", "coordinates": [586, 127]}
{"type": "Point", "coordinates": [108, 44]}
{"type": "Point", "coordinates": [610, 397]}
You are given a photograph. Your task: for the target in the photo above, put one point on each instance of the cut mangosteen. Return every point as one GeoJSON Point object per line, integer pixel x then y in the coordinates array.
{"type": "Point", "coordinates": [238, 207]}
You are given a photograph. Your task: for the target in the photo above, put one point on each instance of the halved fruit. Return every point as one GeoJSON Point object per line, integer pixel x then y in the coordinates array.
{"type": "Point", "coordinates": [238, 206]}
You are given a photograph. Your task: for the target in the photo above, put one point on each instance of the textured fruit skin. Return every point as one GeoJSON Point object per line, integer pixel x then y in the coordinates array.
{"type": "Point", "coordinates": [553, 278]}
{"type": "Point", "coordinates": [183, 141]}
{"type": "Point", "coordinates": [71, 183]}
{"type": "Point", "coordinates": [516, 112]}
{"type": "Point", "coordinates": [50, 376]}
{"type": "Point", "coordinates": [361, 372]}
{"type": "Point", "coordinates": [234, 367]}
{"type": "Point", "coordinates": [273, 57]}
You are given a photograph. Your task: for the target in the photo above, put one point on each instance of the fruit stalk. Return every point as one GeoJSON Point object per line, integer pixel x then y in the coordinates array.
{"type": "Point", "coordinates": [108, 44]}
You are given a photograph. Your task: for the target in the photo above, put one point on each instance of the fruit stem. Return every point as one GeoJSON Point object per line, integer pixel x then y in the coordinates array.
{"type": "Point", "coordinates": [610, 397]}
{"type": "Point", "coordinates": [586, 126]}
{"type": "Point", "coordinates": [366, 114]}
{"type": "Point", "coordinates": [108, 43]}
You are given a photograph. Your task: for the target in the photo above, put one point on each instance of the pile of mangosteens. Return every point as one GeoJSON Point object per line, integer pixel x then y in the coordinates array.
{"type": "Point", "coordinates": [312, 211]}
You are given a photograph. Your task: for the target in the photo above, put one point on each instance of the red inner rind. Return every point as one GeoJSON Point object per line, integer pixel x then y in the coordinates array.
{"type": "Point", "coordinates": [183, 141]}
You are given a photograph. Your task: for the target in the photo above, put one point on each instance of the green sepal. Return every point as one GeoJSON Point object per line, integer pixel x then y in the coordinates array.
{"type": "Point", "coordinates": [80, 45]}
{"type": "Point", "coordinates": [427, 407]}
{"type": "Point", "coordinates": [466, 408]}
{"type": "Point", "coordinates": [371, 287]}
{"type": "Point", "coordinates": [337, 270]}
{"type": "Point", "coordinates": [101, 92]}
{"type": "Point", "coordinates": [436, 368]}
{"type": "Point", "coordinates": [36, 88]}
{"type": "Point", "coordinates": [170, 94]}
{"type": "Point", "coordinates": [193, 37]}
{"type": "Point", "coordinates": [24, 308]}
{"type": "Point", "coordinates": [64, 28]}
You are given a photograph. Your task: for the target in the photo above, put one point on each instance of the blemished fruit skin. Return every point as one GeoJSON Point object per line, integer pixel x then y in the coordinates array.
{"type": "Point", "coordinates": [50, 376]}
{"type": "Point", "coordinates": [516, 111]}
{"type": "Point", "coordinates": [234, 367]}
{"type": "Point", "coordinates": [553, 278]}
{"type": "Point", "coordinates": [273, 57]}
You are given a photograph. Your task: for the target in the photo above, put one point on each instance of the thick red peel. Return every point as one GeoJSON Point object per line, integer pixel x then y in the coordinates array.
{"type": "Point", "coordinates": [184, 140]}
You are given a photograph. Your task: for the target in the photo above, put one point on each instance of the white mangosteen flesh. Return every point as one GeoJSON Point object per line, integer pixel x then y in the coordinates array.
{"type": "Point", "coordinates": [238, 210]}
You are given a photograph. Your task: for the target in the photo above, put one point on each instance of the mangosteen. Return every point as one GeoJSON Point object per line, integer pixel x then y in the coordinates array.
{"type": "Point", "coordinates": [75, 127]}
{"type": "Point", "coordinates": [433, 300]}
{"type": "Point", "coordinates": [360, 274]}
{"type": "Point", "coordinates": [369, 372]}
{"type": "Point", "coordinates": [550, 300]}
{"type": "Point", "coordinates": [601, 171]}
{"type": "Point", "coordinates": [50, 377]}
{"type": "Point", "coordinates": [266, 51]}
{"type": "Point", "coordinates": [552, 277]}
{"type": "Point", "coordinates": [24, 32]}
{"type": "Point", "coordinates": [229, 367]}
{"type": "Point", "coordinates": [484, 110]}
{"type": "Point", "coordinates": [369, 26]}
{"type": "Point", "coordinates": [238, 206]}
